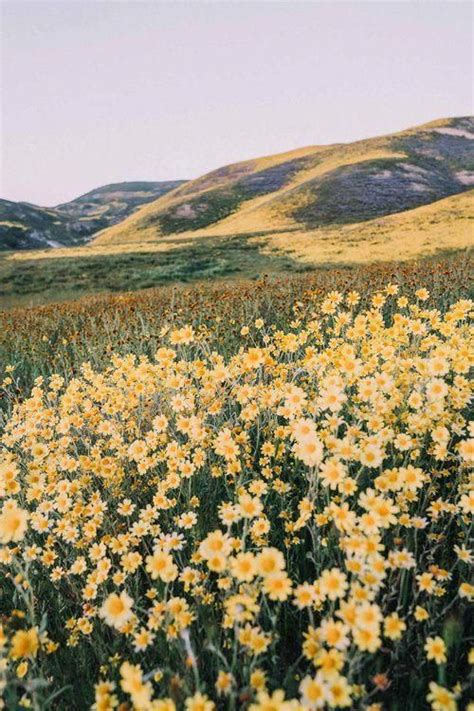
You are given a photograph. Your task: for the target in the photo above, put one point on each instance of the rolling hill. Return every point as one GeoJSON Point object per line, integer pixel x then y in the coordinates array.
{"type": "Point", "coordinates": [27, 226]}
{"type": "Point", "coordinates": [313, 188]}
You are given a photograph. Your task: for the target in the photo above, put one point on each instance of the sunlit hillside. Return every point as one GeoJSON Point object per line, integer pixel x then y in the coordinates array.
{"type": "Point", "coordinates": [444, 225]}
{"type": "Point", "coordinates": [314, 187]}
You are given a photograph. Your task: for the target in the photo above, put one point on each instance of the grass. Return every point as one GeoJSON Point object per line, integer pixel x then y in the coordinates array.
{"type": "Point", "coordinates": [442, 226]}
{"type": "Point", "coordinates": [211, 207]}
{"type": "Point", "coordinates": [40, 279]}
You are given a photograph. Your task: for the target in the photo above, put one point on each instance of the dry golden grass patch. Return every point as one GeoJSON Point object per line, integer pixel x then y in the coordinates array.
{"type": "Point", "coordinates": [444, 225]}
{"type": "Point", "coordinates": [98, 250]}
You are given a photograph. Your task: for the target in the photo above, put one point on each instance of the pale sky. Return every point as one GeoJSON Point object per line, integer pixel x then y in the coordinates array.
{"type": "Point", "coordinates": [95, 91]}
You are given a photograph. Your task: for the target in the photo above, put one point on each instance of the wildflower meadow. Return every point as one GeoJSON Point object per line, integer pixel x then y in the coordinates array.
{"type": "Point", "coordinates": [282, 524]}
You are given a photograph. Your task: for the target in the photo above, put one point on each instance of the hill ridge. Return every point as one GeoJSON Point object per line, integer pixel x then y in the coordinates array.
{"type": "Point", "coordinates": [313, 186]}
{"type": "Point", "coordinates": [24, 225]}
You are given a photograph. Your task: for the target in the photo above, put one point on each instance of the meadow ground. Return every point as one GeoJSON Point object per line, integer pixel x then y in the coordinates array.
{"type": "Point", "coordinates": [33, 278]}
{"type": "Point", "coordinates": [251, 495]}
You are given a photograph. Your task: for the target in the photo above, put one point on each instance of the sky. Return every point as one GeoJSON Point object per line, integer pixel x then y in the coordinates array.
{"type": "Point", "coordinates": [94, 92]}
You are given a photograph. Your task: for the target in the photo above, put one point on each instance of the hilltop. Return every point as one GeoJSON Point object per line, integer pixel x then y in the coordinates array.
{"type": "Point", "coordinates": [313, 188]}
{"type": "Point", "coordinates": [27, 226]}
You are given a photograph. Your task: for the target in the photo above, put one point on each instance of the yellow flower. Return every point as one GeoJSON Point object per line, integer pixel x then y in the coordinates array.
{"type": "Point", "coordinates": [441, 699]}
{"type": "Point", "coordinates": [270, 561]}
{"type": "Point", "coordinates": [329, 661]}
{"type": "Point", "coordinates": [394, 626]}
{"type": "Point", "coordinates": [250, 506]}
{"type": "Point", "coordinates": [253, 358]}
{"type": "Point", "coordinates": [199, 702]}
{"type": "Point", "coordinates": [24, 643]}
{"type": "Point", "coordinates": [435, 649]}
{"type": "Point", "coordinates": [13, 522]}
{"type": "Point", "coordinates": [271, 702]}
{"type": "Point", "coordinates": [244, 567]}
{"type": "Point", "coordinates": [314, 692]}
{"type": "Point", "coordinates": [421, 614]}
{"type": "Point", "coordinates": [132, 683]}
{"type": "Point", "coordinates": [304, 595]}
{"type": "Point", "coordinates": [258, 679]}
{"type": "Point", "coordinates": [333, 583]}
{"type": "Point", "coordinates": [224, 682]}
{"type": "Point", "coordinates": [277, 586]}
{"type": "Point", "coordinates": [137, 450]}
{"type": "Point", "coordinates": [332, 473]}
{"type": "Point", "coordinates": [161, 565]}
{"type": "Point", "coordinates": [339, 692]}
{"type": "Point", "coordinates": [371, 456]}
{"type": "Point", "coordinates": [466, 450]}
{"type": "Point", "coordinates": [117, 609]}
{"type": "Point", "coordinates": [22, 670]}
{"type": "Point", "coordinates": [334, 633]}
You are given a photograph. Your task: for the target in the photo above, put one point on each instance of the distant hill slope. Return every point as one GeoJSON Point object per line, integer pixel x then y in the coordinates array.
{"type": "Point", "coordinates": [443, 226]}
{"type": "Point", "coordinates": [26, 226]}
{"type": "Point", "coordinates": [313, 188]}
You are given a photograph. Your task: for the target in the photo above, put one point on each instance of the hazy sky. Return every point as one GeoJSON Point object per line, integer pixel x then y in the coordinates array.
{"type": "Point", "coordinates": [95, 91]}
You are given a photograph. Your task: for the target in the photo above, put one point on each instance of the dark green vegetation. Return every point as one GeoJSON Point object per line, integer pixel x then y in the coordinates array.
{"type": "Point", "coordinates": [38, 280]}
{"type": "Point", "coordinates": [25, 226]}
{"type": "Point", "coordinates": [355, 193]}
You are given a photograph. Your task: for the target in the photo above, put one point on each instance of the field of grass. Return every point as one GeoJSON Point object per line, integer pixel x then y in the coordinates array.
{"type": "Point", "coordinates": [32, 278]}
{"type": "Point", "coordinates": [59, 337]}
{"type": "Point", "coordinates": [232, 495]}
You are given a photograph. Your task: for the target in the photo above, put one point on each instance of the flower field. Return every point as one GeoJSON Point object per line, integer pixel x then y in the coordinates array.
{"type": "Point", "coordinates": [57, 338]}
{"type": "Point", "coordinates": [263, 504]}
